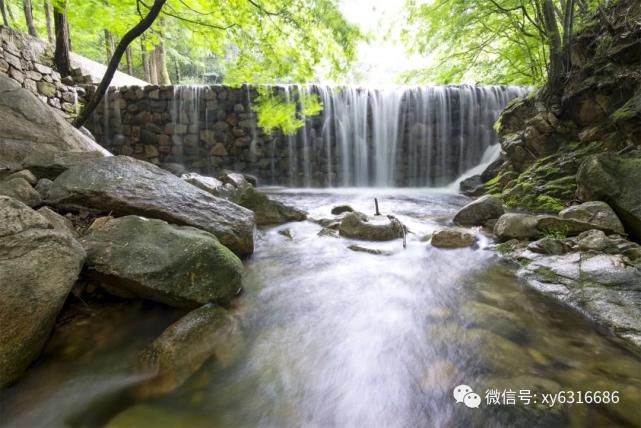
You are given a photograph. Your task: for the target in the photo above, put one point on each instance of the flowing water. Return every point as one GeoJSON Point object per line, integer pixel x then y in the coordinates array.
{"type": "Point", "coordinates": [330, 337]}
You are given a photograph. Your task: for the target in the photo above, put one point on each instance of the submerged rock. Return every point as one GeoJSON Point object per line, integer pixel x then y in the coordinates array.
{"type": "Point", "coordinates": [359, 226]}
{"type": "Point", "coordinates": [614, 179]}
{"type": "Point", "coordinates": [374, 251]}
{"type": "Point", "coordinates": [38, 267]}
{"type": "Point", "coordinates": [478, 212]}
{"type": "Point", "coordinates": [157, 416]}
{"type": "Point", "coordinates": [452, 238]}
{"type": "Point", "coordinates": [177, 265]}
{"type": "Point", "coordinates": [597, 213]}
{"type": "Point", "coordinates": [123, 186]}
{"type": "Point", "coordinates": [183, 348]}
{"type": "Point", "coordinates": [340, 209]}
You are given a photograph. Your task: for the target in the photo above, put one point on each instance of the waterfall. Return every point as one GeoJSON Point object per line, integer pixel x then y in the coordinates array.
{"type": "Point", "coordinates": [400, 136]}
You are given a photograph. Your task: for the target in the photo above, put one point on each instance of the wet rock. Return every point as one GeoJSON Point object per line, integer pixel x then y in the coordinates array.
{"type": "Point", "coordinates": [549, 246]}
{"type": "Point", "coordinates": [58, 222]}
{"type": "Point", "coordinates": [597, 213]}
{"type": "Point", "coordinates": [235, 179]}
{"type": "Point", "coordinates": [20, 189]}
{"type": "Point", "coordinates": [29, 126]}
{"type": "Point", "coordinates": [267, 210]}
{"type": "Point", "coordinates": [496, 353]}
{"type": "Point", "coordinates": [208, 184]}
{"type": "Point", "coordinates": [38, 267]}
{"type": "Point", "coordinates": [327, 232]}
{"type": "Point", "coordinates": [472, 186]}
{"type": "Point", "coordinates": [358, 226]}
{"type": "Point", "coordinates": [51, 164]}
{"type": "Point", "coordinates": [183, 348]}
{"type": "Point", "coordinates": [177, 265]}
{"type": "Point", "coordinates": [287, 233]}
{"type": "Point", "coordinates": [340, 209]}
{"type": "Point", "coordinates": [478, 212]}
{"type": "Point", "coordinates": [614, 179]}
{"type": "Point", "coordinates": [452, 238]}
{"type": "Point", "coordinates": [123, 186]}
{"type": "Point", "coordinates": [374, 251]}
{"type": "Point", "coordinates": [526, 226]}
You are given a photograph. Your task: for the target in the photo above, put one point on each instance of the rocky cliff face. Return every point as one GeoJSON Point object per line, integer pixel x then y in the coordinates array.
{"type": "Point", "coordinates": [600, 112]}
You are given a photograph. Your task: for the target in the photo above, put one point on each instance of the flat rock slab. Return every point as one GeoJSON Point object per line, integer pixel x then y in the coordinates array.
{"type": "Point", "coordinates": [123, 185]}
{"type": "Point", "coordinates": [180, 266]}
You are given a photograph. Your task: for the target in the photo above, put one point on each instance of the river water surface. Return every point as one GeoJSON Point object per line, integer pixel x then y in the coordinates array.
{"type": "Point", "coordinates": [330, 337]}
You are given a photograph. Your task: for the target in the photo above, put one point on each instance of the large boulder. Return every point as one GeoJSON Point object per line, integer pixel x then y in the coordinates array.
{"type": "Point", "coordinates": [38, 267]}
{"type": "Point", "coordinates": [28, 126]}
{"type": "Point", "coordinates": [516, 226]}
{"type": "Point", "coordinates": [595, 212]}
{"type": "Point", "coordinates": [123, 186]}
{"type": "Point", "coordinates": [177, 265]}
{"type": "Point", "coordinates": [183, 348]}
{"type": "Point", "coordinates": [614, 179]}
{"type": "Point", "coordinates": [478, 212]}
{"type": "Point", "coordinates": [379, 228]}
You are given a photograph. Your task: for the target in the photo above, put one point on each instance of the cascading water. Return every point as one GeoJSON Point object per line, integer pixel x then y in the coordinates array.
{"type": "Point", "coordinates": [402, 136]}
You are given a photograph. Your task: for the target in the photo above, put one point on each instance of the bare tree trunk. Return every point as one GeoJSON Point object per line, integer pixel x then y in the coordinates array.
{"type": "Point", "coordinates": [130, 61]}
{"type": "Point", "coordinates": [177, 68]}
{"type": "Point", "coordinates": [3, 10]}
{"type": "Point", "coordinates": [62, 56]}
{"type": "Point", "coordinates": [153, 74]}
{"type": "Point", "coordinates": [146, 67]}
{"type": "Point", "coordinates": [161, 64]}
{"type": "Point", "coordinates": [568, 27]}
{"type": "Point", "coordinates": [556, 68]}
{"type": "Point", "coordinates": [28, 16]}
{"type": "Point", "coordinates": [109, 45]}
{"type": "Point", "coordinates": [127, 39]}
{"type": "Point", "coordinates": [48, 12]}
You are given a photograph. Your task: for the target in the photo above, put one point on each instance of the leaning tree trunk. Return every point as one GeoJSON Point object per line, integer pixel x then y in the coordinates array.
{"type": "Point", "coordinates": [62, 56]}
{"type": "Point", "coordinates": [28, 16]}
{"type": "Point", "coordinates": [3, 10]}
{"type": "Point", "coordinates": [48, 12]}
{"type": "Point", "coordinates": [129, 37]}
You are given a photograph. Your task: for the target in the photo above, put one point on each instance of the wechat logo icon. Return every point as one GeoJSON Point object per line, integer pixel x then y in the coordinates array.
{"type": "Point", "coordinates": [464, 394]}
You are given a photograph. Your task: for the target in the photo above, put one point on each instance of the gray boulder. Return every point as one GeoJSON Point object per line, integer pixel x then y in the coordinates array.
{"type": "Point", "coordinates": [478, 212]}
{"type": "Point", "coordinates": [28, 126]}
{"type": "Point", "coordinates": [51, 164]}
{"type": "Point", "coordinates": [526, 226]}
{"type": "Point", "coordinates": [58, 222]}
{"type": "Point", "coordinates": [597, 213]}
{"type": "Point", "coordinates": [38, 267]}
{"type": "Point", "coordinates": [340, 209]}
{"type": "Point", "coordinates": [183, 348]}
{"type": "Point", "coordinates": [614, 179]}
{"type": "Point", "coordinates": [26, 174]}
{"type": "Point", "coordinates": [20, 189]}
{"type": "Point", "coordinates": [267, 210]}
{"type": "Point", "coordinates": [516, 226]}
{"type": "Point", "coordinates": [379, 228]}
{"type": "Point", "coordinates": [123, 186]}
{"type": "Point", "coordinates": [452, 238]}
{"type": "Point", "coordinates": [177, 265]}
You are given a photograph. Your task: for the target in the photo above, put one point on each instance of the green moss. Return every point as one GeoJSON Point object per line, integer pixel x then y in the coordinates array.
{"type": "Point", "coordinates": [548, 203]}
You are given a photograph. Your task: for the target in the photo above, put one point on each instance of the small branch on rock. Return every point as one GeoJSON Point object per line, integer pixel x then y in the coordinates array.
{"type": "Point", "coordinates": [376, 203]}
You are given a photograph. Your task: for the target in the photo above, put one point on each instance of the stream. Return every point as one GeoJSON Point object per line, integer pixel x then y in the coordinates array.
{"type": "Point", "coordinates": [330, 337]}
